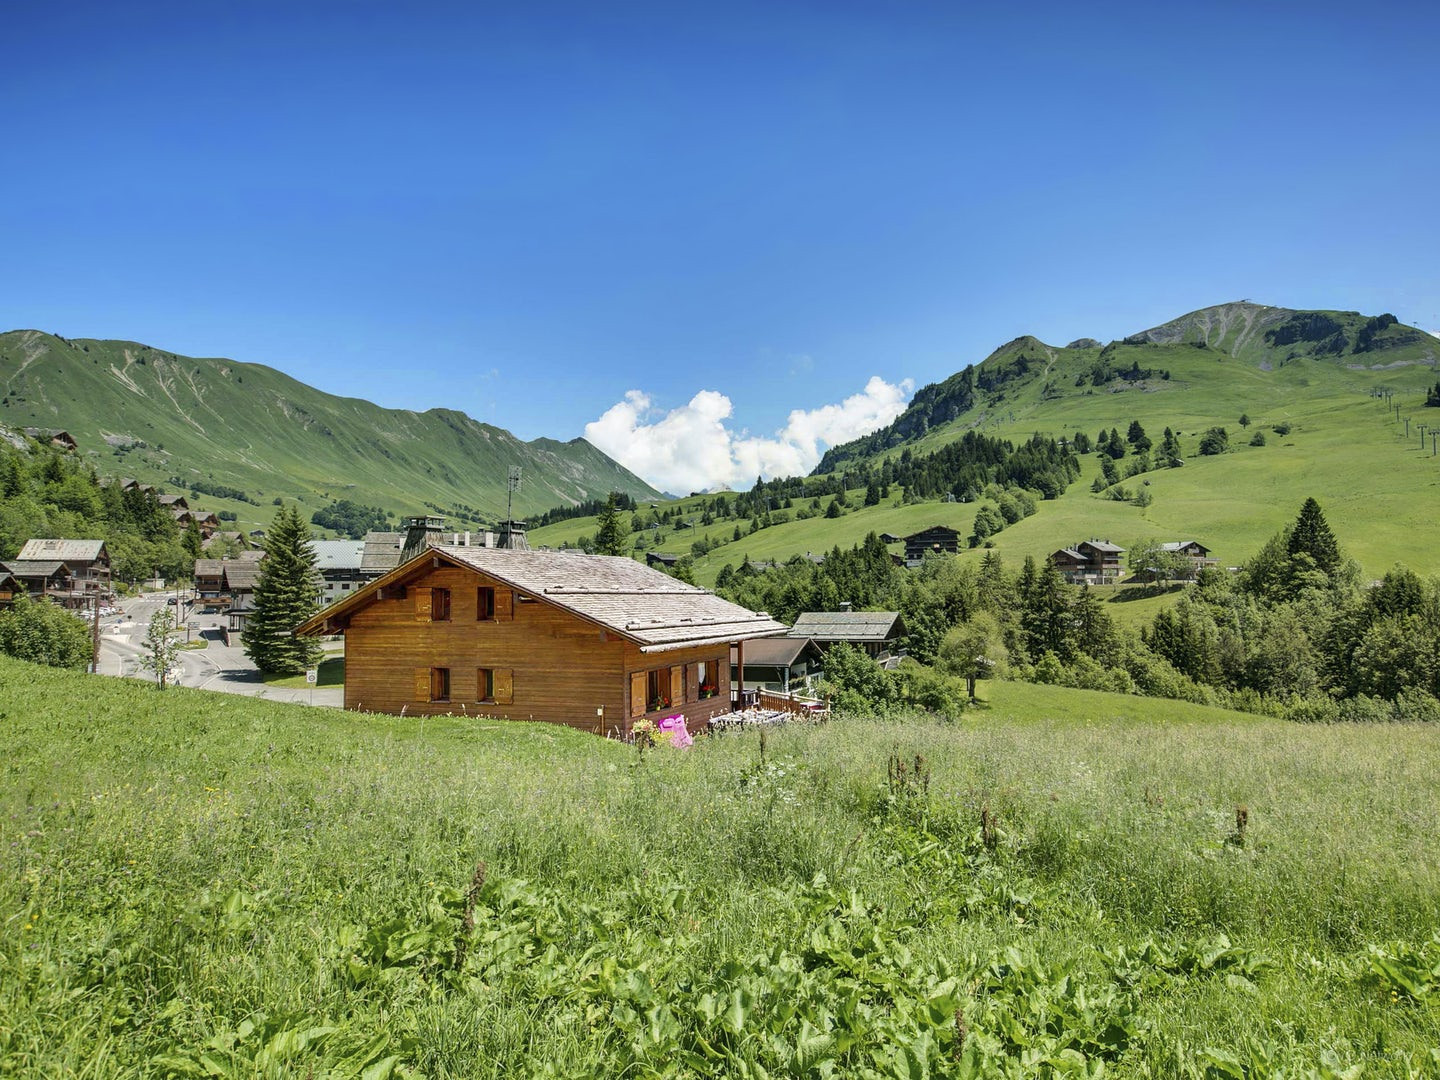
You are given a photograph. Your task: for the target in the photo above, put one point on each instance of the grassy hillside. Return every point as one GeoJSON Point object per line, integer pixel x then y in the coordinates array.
{"type": "Point", "coordinates": [142, 412]}
{"type": "Point", "coordinates": [1343, 446]}
{"type": "Point", "coordinates": [207, 885]}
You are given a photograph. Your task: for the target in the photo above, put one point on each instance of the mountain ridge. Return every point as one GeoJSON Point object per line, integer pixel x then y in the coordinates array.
{"type": "Point", "coordinates": [1260, 336]}
{"type": "Point", "coordinates": [147, 412]}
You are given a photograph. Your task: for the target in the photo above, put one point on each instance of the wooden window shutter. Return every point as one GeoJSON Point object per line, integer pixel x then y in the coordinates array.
{"type": "Point", "coordinates": [504, 604]}
{"type": "Point", "coordinates": [677, 685]}
{"type": "Point", "coordinates": [422, 684]}
{"type": "Point", "coordinates": [422, 605]}
{"type": "Point", "coordinates": [637, 693]}
{"type": "Point", "coordinates": [504, 686]}
{"type": "Point", "coordinates": [692, 680]}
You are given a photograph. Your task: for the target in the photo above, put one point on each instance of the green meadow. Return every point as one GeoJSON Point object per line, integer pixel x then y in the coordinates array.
{"type": "Point", "coordinates": [1343, 447]}
{"type": "Point", "coordinates": [1059, 883]}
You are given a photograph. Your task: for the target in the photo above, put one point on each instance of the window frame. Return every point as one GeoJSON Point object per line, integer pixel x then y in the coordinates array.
{"type": "Point", "coordinates": [440, 684]}
{"type": "Point", "coordinates": [439, 605]}
{"type": "Point", "coordinates": [485, 685]}
{"type": "Point", "coordinates": [485, 603]}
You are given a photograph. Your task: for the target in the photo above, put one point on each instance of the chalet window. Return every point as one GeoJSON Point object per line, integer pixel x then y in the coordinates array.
{"type": "Point", "coordinates": [657, 690]}
{"type": "Point", "coordinates": [485, 604]}
{"type": "Point", "coordinates": [440, 684]}
{"type": "Point", "coordinates": [439, 605]}
{"type": "Point", "coordinates": [705, 678]}
{"type": "Point", "coordinates": [495, 685]}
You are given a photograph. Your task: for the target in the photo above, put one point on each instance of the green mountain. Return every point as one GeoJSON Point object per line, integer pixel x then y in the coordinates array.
{"type": "Point", "coordinates": [1311, 428]}
{"type": "Point", "coordinates": [221, 424]}
{"type": "Point", "coordinates": [1214, 353]}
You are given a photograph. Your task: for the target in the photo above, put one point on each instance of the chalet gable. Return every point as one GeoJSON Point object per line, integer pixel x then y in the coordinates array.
{"type": "Point", "coordinates": [616, 594]}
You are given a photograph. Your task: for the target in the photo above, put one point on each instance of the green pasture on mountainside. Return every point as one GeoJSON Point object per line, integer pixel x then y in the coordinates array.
{"type": "Point", "coordinates": [204, 885]}
{"type": "Point", "coordinates": [1378, 489]}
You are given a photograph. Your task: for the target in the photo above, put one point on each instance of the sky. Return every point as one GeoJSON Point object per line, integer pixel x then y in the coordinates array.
{"type": "Point", "coordinates": [714, 238]}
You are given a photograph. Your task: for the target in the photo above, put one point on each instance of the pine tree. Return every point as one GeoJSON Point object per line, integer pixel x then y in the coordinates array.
{"type": "Point", "coordinates": [286, 594]}
{"type": "Point", "coordinates": [1311, 536]}
{"type": "Point", "coordinates": [612, 532]}
{"type": "Point", "coordinates": [192, 541]}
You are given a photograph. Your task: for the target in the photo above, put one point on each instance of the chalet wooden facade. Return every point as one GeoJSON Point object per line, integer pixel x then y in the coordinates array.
{"type": "Point", "coordinates": [936, 540]}
{"type": "Point", "coordinates": [75, 573]}
{"type": "Point", "coordinates": [592, 642]}
{"type": "Point", "coordinates": [1090, 562]}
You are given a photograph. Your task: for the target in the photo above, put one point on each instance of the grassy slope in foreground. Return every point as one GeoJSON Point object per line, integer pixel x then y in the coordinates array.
{"type": "Point", "coordinates": [188, 871]}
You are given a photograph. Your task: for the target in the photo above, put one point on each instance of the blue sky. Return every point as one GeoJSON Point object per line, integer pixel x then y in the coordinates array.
{"type": "Point", "coordinates": [530, 211]}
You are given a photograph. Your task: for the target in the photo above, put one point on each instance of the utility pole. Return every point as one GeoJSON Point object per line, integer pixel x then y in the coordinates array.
{"type": "Point", "coordinates": [95, 634]}
{"type": "Point", "coordinates": [1407, 427]}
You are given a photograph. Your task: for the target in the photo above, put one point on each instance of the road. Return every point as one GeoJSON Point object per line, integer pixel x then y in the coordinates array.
{"type": "Point", "coordinates": [218, 666]}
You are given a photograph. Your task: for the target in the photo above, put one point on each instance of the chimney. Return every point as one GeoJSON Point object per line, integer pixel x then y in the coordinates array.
{"type": "Point", "coordinates": [845, 605]}
{"type": "Point", "coordinates": [421, 533]}
{"type": "Point", "coordinates": [512, 536]}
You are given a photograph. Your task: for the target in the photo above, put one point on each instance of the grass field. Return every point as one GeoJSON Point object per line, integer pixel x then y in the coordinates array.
{"type": "Point", "coordinates": [1378, 490]}
{"type": "Point", "coordinates": [205, 885]}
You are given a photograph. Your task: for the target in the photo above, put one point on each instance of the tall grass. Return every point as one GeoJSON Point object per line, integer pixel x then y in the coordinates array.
{"type": "Point", "coordinates": [202, 885]}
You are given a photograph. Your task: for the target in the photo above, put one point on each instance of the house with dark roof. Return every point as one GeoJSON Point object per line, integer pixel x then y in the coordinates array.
{"type": "Point", "coordinates": [61, 440]}
{"type": "Point", "coordinates": [85, 576]}
{"type": "Point", "coordinates": [10, 587]}
{"type": "Point", "coordinates": [936, 540]}
{"type": "Point", "coordinates": [590, 641]}
{"type": "Point", "coordinates": [785, 664]}
{"type": "Point", "coordinates": [878, 633]}
{"type": "Point", "coordinates": [381, 552]}
{"type": "Point", "coordinates": [1090, 562]}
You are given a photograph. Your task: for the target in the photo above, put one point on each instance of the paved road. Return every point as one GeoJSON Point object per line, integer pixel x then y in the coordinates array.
{"type": "Point", "coordinates": [217, 667]}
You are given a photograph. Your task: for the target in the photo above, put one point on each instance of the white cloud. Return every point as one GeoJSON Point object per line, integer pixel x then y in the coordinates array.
{"type": "Point", "coordinates": [690, 448]}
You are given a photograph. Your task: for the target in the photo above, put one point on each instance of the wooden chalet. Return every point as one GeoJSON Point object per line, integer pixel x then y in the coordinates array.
{"type": "Point", "coordinates": [1090, 562]}
{"type": "Point", "coordinates": [173, 502]}
{"type": "Point", "coordinates": [590, 641]}
{"type": "Point", "coordinates": [781, 664]}
{"type": "Point", "coordinates": [61, 440]}
{"type": "Point", "coordinates": [661, 560]}
{"type": "Point", "coordinates": [10, 587]}
{"type": "Point", "coordinates": [936, 540]}
{"type": "Point", "coordinates": [86, 570]}
{"type": "Point", "coordinates": [877, 633]}
{"type": "Point", "coordinates": [210, 578]}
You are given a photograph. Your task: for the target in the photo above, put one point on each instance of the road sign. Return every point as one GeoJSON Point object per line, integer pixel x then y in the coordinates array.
{"type": "Point", "coordinates": [312, 675]}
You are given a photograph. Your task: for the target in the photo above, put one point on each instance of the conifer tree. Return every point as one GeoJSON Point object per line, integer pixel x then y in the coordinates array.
{"type": "Point", "coordinates": [612, 531]}
{"type": "Point", "coordinates": [285, 595]}
{"type": "Point", "coordinates": [1311, 536]}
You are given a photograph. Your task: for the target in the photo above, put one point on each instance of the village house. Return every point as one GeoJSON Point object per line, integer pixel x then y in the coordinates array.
{"type": "Point", "coordinates": [877, 633]}
{"type": "Point", "coordinates": [340, 565]}
{"type": "Point", "coordinates": [10, 587]}
{"type": "Point", "coordinates": [936, 540]}
{"type": "Point", "coordinates": [81, 576]}
{"type": "Point", "coordinates": [1090, 562]}
{"type": "Point", "coordinates": [61, 440]}
{"type": "Point", "coordinates": [782, 664]}
{"type": "Point", "coordinates": [590, 641]}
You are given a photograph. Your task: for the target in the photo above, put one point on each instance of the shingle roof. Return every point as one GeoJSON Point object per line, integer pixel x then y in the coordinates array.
{"type": "Point", "coordinates": [1102, 545]}
{"type": "Point", "coordinates": [655, 611]}
{"type": "Point", "coordinates": [382, 551]}
{"type": "Point", "coordinates": [338, 554]}
{"type": "Point", "coordinates": [241, 574]}
{"type": "Point", "coordinates": [1180, 545]}
{"type": "Point", "coordinates": [251, 555]}
{"type": "Point", "coordinates": [173, 500]}
{"type": "Point", "coordinates": [29, 568]}
{"type": "Point", "coordinates": [847, 625]}
{"type": "Point", "coordinates": [209, 567]}
{"type": "Point", "coordinates": [775, 652]}
{"type": "Point", "coordinates": [64, 550]}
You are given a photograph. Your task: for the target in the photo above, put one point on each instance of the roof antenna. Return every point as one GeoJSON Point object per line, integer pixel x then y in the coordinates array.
{"type": "Point", "coordinates": [512, 485]}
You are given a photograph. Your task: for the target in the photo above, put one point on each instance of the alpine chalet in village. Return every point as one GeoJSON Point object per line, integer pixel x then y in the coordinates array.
{"type": "Point", "coordinates": [590, 641]}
